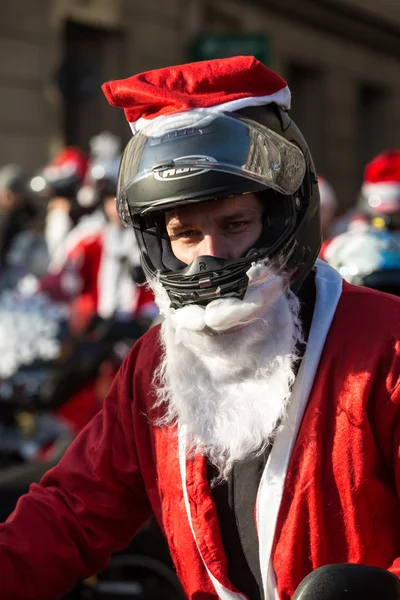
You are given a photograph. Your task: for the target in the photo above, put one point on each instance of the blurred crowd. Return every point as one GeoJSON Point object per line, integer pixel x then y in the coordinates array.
{"type": "Point", "coordinates": [60, 235]}
{"type": "Point", "coordinates": [73, 300]}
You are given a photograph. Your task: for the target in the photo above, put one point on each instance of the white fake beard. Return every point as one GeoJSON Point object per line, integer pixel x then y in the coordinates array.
{"type": "Point", "coordinates": [228, 368]}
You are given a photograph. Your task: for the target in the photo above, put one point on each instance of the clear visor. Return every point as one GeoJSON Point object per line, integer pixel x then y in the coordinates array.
{"type": "Point", "coordinates": [189, 144]}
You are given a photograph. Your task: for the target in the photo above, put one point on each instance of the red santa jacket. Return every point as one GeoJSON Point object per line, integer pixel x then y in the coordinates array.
{"type": "Point", "coordinates": [329, 493]}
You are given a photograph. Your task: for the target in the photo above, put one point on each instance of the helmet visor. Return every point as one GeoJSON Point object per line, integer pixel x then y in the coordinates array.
{"type": "Point", "coordinates": [175, 152]}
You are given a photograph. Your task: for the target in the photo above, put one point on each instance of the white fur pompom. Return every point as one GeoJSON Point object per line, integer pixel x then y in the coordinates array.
{"type": "Point", "coordinates": [189, 317]}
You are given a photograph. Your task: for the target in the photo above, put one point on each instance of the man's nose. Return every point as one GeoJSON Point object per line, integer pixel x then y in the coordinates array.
{"type": "Point", "coordinates": [212, 245]}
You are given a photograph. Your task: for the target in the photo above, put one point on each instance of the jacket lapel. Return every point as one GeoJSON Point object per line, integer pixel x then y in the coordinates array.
{"type": "Point", "coordinates": [197, 499]}
{"type": "Point", "coordinates": [202, 517]}
{"type": "Point", "coordinates": [329, 289]}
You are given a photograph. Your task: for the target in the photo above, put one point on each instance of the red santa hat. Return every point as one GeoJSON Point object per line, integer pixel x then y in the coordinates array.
{"type": "Point", "coordinates": [381, 186]}
{"type": "Point", "coordinates": [226, 84]}
{"type": "Point", "coordinates": [70, 161]}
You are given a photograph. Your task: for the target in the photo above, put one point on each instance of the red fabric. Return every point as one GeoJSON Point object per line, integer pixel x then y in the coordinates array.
{"type": "Point", "coordinates": [145, 299]}
{"type": "Point", "coordinates": [383, 168]}
{"type": "Point", "coordinates": [51, 284]}
{"type": "Point", "coordinates": [194, 85]}
{"type": "Point", "coordinates": [82, 264]}
{"type": "Point", "coordinates": [86, 257]}
{"type": "Point", "coordinates": [341, 495]}
{"type": "Point", "coordinates": [341, 500]}
{"type": "Point", "coordinates": [80, 408]}
{"type": "Point", "coordinates": [324, 246]}
{"type": "Point", "coordinates": [70, 528]}
{"type": "Point", "coordinates": [71, 156]}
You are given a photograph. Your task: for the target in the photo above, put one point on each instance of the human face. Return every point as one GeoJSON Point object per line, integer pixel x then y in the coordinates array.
{"type": "Point", "coordinates": [224, 228]}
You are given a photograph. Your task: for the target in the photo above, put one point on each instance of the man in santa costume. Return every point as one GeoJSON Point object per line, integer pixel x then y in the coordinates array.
{"type": "Point", "coordinates": [378, 204]}
{"type": "Point", "coordinates": [95, 270]}
{"type": "Point", "coordinates": [379, 201]}
{"type": "Point", "coordinates": [260, 424]}
{"type": "Point", "coordinates": [58, 182]}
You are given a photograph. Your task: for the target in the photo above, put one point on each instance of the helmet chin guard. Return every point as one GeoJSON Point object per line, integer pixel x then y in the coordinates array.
{"type": "Point", "coordinates": [205, 279]}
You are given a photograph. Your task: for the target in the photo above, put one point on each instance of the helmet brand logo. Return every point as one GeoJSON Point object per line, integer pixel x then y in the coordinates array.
{"type": "Point", "coordinates": [170, 173]}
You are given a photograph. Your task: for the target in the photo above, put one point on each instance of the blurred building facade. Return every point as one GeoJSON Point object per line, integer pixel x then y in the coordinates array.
{"type": "Point", "coordinates": [341, 59]}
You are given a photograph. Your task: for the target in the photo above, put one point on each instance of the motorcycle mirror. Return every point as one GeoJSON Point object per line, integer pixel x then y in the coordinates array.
{"type": "Point", "coordinates": [349, 582]}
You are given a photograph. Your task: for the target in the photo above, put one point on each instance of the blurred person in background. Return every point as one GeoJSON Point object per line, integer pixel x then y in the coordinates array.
{"type": "Point", "coordinates": [16, 209]}
{"type": "Point", "coordinates": [99, 269]}
{"type": "Point", "coordinates": [329, 206]}
{"type": "Point", "coordinates": [104, 160]}
{"type": "Point", "coordinates": [379, 200]}
{"type": "Point", "coordinates": [378, 204]}
{"type": "Point", "coordinates": [57, 184]}
{"type": "Point", "coordinates": [22, 246]}
{"type": "Point", "coordinates": [368, 257]}
{"type": "Point", "coordinates": [102, 173]}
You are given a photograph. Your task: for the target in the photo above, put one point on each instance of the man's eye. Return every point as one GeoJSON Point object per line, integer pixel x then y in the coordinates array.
{"type": "Point", "coordinates": [237, 224]}
{"type": "Point", "coordinates": [186, 234]}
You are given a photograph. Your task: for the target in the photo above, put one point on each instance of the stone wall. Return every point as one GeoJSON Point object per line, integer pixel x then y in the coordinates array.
{"type": "Point", "coordinates": [24, 130]}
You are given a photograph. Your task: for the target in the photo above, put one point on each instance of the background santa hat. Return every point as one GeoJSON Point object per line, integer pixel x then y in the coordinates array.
{"type": "Point", "coordinates": [228, 84]}
{"type": "Point", "coordinates": [381, 188]}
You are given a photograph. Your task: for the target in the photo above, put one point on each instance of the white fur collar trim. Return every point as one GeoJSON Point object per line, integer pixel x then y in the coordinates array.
{"type": "Point", "coordinates": [329, 288]}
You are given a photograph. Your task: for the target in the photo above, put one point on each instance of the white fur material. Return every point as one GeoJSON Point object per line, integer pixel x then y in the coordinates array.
{"type": "Point", "coordinates": [281, 97]}
{"type": "Point", "coordinates": [385, 189]}
{"type": "Point", "coordinates": [328, 291]}
{"type": "Point", "coordinates": [88, 225]}
{"type": "Point", "coordinates": [117, 292]}
{"type": "Point", "coordinates": [228, 368]}
{"type": "Point", "coordinates": [58, 224]}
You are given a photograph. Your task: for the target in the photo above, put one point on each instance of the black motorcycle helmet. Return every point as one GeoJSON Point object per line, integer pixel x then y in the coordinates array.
{"type": "Point", "coordinates": [256, 149]}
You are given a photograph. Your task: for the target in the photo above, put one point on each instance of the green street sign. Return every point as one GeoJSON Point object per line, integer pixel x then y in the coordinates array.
{"type": "Point", "coordinates": [222, 45]}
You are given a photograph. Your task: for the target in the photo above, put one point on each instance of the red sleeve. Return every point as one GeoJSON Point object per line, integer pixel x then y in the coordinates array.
{"type": "Point", "coordinates": [395, 568]}
{"type": "Point", "coordinates": [385, 419]}
{"type": "Point", "coordinates": [87, 507]}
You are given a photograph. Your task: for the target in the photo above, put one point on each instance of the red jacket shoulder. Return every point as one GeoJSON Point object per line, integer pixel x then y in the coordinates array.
{"type": "Point", "coordinates": [143, 359]}
{"type": "Point", "coordinates": [367, 319]}
{"type": "Point", "coordinates": [367, 299]}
